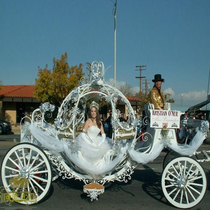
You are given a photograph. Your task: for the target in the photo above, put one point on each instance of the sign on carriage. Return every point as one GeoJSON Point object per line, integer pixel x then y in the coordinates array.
{"type": "Point", "coordinates": [164, 119]}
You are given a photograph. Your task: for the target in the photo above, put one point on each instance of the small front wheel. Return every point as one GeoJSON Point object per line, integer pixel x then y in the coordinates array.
{"type": "Point", "coordinates": [184, 182]}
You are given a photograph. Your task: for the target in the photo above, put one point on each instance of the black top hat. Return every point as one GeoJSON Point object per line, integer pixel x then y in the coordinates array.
{"type": "Point", "coordinates": [157, 78]}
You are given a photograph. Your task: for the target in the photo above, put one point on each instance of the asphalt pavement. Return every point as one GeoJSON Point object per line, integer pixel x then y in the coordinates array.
{"type": "Point", "coordinates": [143, 191]}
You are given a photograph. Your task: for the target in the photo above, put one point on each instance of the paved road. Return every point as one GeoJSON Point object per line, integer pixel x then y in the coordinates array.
{"type": "Point", "coordinates": [142, 192]}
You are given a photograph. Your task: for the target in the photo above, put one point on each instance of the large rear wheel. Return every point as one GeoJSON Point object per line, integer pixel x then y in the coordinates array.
{"type": "Point", "coordinates": [26, 173]}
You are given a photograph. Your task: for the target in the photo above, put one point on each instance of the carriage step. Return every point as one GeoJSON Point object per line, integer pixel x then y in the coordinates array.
{"type": "Point", "coordinates": [93, 190]}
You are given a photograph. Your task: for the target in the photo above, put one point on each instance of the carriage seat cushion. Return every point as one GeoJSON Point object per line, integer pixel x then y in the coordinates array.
{"type": "Point", "coordinates": [79, 127]}
{"type": "Point", "coordinates": [124, 134]}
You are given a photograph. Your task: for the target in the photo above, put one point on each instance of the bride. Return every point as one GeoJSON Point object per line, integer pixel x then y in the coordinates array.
{"type": "Point", "coordinates": [92, 141]}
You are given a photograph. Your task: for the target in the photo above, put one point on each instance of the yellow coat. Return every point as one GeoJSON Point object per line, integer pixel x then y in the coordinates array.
{"type": "Point", "coordinates": [155, 98]}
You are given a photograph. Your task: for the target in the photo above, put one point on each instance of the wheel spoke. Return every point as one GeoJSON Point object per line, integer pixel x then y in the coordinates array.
{"type": "Point", "coordinates": [195, 178]}
{"type": "Point", "coordinates": [39, 178]}
{"type": "Point", "coordinates": [181, 197]}
{"type": "Point", "coordinates": [175, 170]}
{"type": "Point", "coordinates": [11, 176]}
{"type": "Point", "coordinates": [39, 172]}
{"type": "Point", "coordinates": [12, 169]}
{"type": "Point", "coordinates": [34, 161]}
{"type": "Point", "coordinates": [14, 162]}
{"type": "Point", "coordinates": [193, 173]}
{"type": "Point", "coordinates": [32, 185]}
{"type": "Point", "coordinates": [24, 158]}
{"type": "Point", "coordinates": [180, 168]}
{"type": "Point", "coordinates": [19, 159]}
{"type": "Point", "coordinates": [29, 192]}
{"type": "Point", "coordinates": [37, 184]}
{"type": "Point", "coordinates": [191, 193]}
{"type": "Point", "coordinates": [192, 188]}
{"type": "Point", "coordinates": [34, 168]}
{"type": "Point", "coordinates": [189, 170]}
{"type": "Point", "coordinates": [16, 190]}
{"type": "Point", "coordinates": [185, 167]}
{"type": "Point", "coordinates": [29, 158]}
{"type": "Point", "coordinates": [196, 184]}
{"type": "Point", "coordinates": [169, 179]}
{"type": "Point", "coordinates": [174, 198]}
{"type": "Point", "coordinates": [172, 191]}
{"type": "Point", "coordinates": [172, 174]}
{"type": "Point", "coordinates": [168, 186]}
{"type": "Point", "coordinates": [31, 195]}
{"type": "Point", "coordinates": [186, 196]}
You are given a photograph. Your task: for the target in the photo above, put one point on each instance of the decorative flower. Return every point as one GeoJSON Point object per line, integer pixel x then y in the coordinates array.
{"type": "Point", "coordinates": [115, 123]}
{"type": "Point", "coordinates": [108, 98]}
{"type": "Point", "coordinates": [135, 123]}
{"type": "Point", "coordinates": [204, 126]}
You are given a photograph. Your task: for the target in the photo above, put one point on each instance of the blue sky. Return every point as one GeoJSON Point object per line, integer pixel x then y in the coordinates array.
{"type": "Point", "coordinates": [170, 37]}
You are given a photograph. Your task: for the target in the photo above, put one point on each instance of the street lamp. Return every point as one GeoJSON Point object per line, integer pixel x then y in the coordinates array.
{"type": "Point", "coordinates": [181, 99]}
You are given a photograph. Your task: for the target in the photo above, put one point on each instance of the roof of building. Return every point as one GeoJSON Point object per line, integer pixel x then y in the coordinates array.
{"type": "Point", "coordinates": [132, 98]}
{"type": "Point", "coordinates": [18, 91]}
{"type": "Point", "coordinates": [27, 91]}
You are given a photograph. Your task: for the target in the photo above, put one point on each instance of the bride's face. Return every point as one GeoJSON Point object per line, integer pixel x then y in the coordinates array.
{"type": "Point", "coordinates": [93, 112]}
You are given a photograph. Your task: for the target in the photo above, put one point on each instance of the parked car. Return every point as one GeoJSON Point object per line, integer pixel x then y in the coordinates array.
{"type": "Point", "coordinates": [5, 127]}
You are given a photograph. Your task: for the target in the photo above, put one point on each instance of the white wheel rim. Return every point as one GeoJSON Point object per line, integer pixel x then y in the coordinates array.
{"type": "Point", "coordinates": [26, 173]}
{"type": "Point", "coordinates": [184, 182]}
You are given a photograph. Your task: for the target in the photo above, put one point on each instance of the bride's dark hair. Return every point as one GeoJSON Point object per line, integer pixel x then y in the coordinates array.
{"type": "Point", "coordinates": [98, 120]}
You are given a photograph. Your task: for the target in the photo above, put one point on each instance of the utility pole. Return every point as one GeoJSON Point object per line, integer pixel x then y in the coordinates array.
{"type": "Point", "coordinates": [146, 84]}
{"type": "Point", "coordinates": [89, 70]}
{"type": "Point", "coordinates": [115, 44]}
{"type": "Point", "coordinates": [140, 69]}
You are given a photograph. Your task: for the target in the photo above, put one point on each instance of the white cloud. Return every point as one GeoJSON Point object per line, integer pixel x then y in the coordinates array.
{"type": "Point", "coordinates": [191, 98]}
{"type": "Point", "coordinates": [195, 95]}
{"type": "Point", "coordinates": [118, 84]}
{"type": "Point", "coordinates": [122, 83]}
{"type": "Point", "coordinates": [169, 91]}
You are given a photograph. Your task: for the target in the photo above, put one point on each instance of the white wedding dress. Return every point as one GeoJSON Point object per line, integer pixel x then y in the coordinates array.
{"type": "Point", "coordinates": [95, 154]}
{"type": "Point", "coordinates": [93, 146]}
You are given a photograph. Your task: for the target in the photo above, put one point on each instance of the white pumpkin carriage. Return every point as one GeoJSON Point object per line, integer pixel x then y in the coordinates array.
{"type": "Point", "coordinates": [50, 150]}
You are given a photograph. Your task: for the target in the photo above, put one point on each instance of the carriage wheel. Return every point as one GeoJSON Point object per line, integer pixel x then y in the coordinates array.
{"type": "Point", "coordinates": [26, 173]}
{"type": "Point", "coordinates": [184, 182]}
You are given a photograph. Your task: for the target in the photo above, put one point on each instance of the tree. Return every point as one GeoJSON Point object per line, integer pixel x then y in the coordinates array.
{"type": "Point", "coordinates": [168, 98]}
{"type": "Point", "coordinates": [126, 90]}
{"type": "Point", "coordinates": [144, 100]}
{"type": "Point", "coordinates": [54, 85]}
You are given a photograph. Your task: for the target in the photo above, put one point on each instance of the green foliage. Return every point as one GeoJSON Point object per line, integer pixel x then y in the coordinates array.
{"type": "Point", "coordinates": [144, 100]}
{"type": "Point", "coordinates": [169, 99]}
{"type": "Point", "coordinates": [54, 85]}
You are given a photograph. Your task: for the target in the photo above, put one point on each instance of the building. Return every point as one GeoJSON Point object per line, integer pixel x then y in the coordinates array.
{"type": "Point", "coordinates": [17, 101]}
